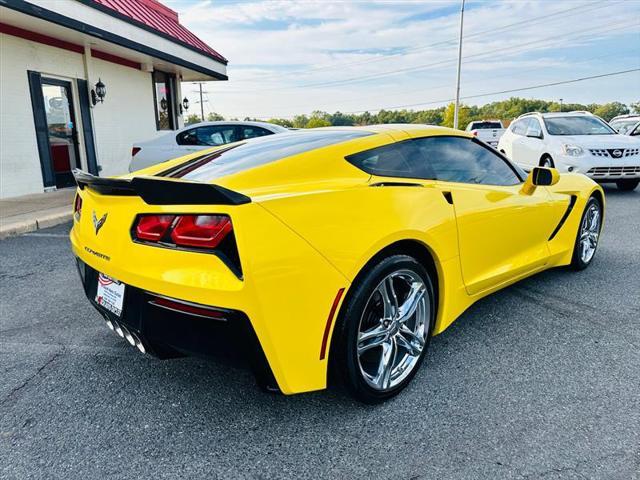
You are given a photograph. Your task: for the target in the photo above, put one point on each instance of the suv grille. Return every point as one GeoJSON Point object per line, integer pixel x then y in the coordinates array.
{"type": "Point", "coordinates": [614, 152]}
{"type": "Point", "coordinates": [613, 171]}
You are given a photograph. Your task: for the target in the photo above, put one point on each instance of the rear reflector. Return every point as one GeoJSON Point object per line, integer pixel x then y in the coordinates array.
{"type": "Point", "coordinates": [327, 327]}
{"type": "Point", "coordinates": [203, 231]}
{"type": "Point", "coordinates": [153, 227]}
{"type": "Point", "coordinates": [135, 150]}
{"type": "Point", "coordinates": [188, 308]}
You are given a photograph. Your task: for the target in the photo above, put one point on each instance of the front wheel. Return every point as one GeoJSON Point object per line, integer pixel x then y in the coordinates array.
{"type": "Point", "coordinates": [627, 185]}
{"type": "Point", "coordinates": [384, 328]}
{"type": "Point", "coordinates": [588, 235]}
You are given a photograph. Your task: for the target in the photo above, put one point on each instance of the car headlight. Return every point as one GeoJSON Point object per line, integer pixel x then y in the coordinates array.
{"type": "Point", "coordinates": [572, 150]}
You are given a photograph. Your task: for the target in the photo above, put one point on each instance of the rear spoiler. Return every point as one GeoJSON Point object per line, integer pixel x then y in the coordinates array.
{"type": "Point", "coordinates": [158, 191]}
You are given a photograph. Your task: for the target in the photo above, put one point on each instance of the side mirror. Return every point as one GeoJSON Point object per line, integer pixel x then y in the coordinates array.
{"type": "Point", "coordinates": [540, 177]}
{"type": "Point", "coordinates": [534, 134]}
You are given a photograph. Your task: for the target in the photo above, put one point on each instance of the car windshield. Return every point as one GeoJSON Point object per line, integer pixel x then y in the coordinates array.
{"type": "Point", "coordinates": [483, 125]}
{"type": "Point", "coordinates": [624, 126]}
{"type": "Point", "coordinates": [577, 126]}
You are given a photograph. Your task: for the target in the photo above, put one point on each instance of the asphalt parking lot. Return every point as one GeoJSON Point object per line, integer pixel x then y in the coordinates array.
{"type": "Point", "coordinates": [541, 380]}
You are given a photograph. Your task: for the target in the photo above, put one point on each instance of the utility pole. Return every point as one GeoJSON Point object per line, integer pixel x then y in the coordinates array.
{"type": "Point", "coordinates": [201, 103]}
{"type": "Point", "coordinates": [560, 104]}
{"type": "Point", "coordinates": [457, 105]}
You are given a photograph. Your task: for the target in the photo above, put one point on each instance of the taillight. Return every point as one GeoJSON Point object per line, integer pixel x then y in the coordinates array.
{"type": "Point", "coordinates": [77, 207]}
{"type": "Point", "coordinates": [135, 150]}
{"type": "Point", "coordinates": [196, 233]}
{"type": "Point", "coordinates": [203, 231]}
{"type": "Point", "coordinates": [199, 231]}
{"type": "Point", "coordinates": [475, 133]}
{"type": "Point", "coordinates": [153, 228]}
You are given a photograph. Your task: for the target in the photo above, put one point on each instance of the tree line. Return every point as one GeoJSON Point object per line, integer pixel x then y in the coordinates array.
{"type": "Point", "coordinates": [505, 110]}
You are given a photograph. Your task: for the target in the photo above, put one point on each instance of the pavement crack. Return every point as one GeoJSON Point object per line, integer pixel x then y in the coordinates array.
{"type": "Point", "coordinates": [32, 377]}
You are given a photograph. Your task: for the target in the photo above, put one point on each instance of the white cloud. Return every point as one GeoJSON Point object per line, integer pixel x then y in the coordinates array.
{"type": "Point", "coordinates": [275, 48]}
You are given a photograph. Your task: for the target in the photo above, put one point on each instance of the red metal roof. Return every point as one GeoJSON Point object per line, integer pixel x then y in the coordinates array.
{"type": "Point", "coordinates": [161, 18]}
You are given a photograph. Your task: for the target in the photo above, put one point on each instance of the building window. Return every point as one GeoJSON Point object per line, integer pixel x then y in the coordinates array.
{"type": "Point", "coordinates": [165, 100]}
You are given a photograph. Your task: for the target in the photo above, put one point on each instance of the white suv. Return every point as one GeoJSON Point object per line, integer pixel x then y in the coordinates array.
{"type": "Point", "coordinates": [574, 142]}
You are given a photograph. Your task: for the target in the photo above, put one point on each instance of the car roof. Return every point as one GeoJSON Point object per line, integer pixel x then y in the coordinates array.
{"type": "Point", "coordinates": [626, 117]}
{"type": "Point", "coordinates": [557, 114]}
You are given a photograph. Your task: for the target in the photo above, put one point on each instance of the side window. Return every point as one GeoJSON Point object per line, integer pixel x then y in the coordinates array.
{"type": "Point", "coordinates": [396, 160]}
{"type": "Point", "coordinates": [533, 127]}
{"type": "Point", "coordinates": [461, 160]}
{"type": "Point", "coordinates": [208, 136]}
{"type": "Point", "coordinates": [520, 127]}
{"type": "Point", "coordinates": [253, 132]}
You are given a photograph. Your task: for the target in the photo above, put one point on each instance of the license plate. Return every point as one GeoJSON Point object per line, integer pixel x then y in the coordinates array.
{"type": "Point", "coordinates": [110, 294]}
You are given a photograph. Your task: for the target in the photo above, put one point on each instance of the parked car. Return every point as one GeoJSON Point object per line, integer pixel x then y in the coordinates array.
{"type": "Point", "coordinates": [489, 131]}
{"type": "Point", "coordinates": [626, 124]}
{"type": "Point", "coordinates": [313, 255]}
{"type": "Point", "coordinates": [574, 142]}
{"type": "Point", "coordinates": [194, 138]}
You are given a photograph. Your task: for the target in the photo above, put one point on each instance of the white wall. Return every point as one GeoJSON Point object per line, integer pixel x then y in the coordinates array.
{"type": "Point", "coordinates": [20, 171]}
{"type": "Point", "coordinates": [126, 116]}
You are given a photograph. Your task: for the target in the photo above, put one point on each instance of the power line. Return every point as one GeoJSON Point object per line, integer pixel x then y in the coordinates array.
{"type": "Point", "coordinates": [528, 46]}
{"type": "Point", "coordinates": [487, 94]}
{"type": "Point", "coordinates": [584, 8]}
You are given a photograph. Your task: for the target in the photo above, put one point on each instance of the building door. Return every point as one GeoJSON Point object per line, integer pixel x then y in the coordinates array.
{"type": "Point", "coordinates": [62, 130]}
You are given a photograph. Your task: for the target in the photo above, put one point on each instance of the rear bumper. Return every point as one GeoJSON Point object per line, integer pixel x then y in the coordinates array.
{"type": "Point", "coordinates": [167, 332]}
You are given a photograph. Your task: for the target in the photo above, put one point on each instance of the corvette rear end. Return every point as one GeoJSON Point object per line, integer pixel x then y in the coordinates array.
{"type": "Point", "coordinates": [200, 271]}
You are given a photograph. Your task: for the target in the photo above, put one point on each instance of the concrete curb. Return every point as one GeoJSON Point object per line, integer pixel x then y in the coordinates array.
{"type": "Point", "coordinates": [12, 229]}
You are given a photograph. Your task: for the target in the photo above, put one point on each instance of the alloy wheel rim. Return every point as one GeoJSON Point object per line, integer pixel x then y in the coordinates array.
{"type": "Point", "coordinates": [589, 233]}
{"type": "Point", "coordinates": [393, 330]}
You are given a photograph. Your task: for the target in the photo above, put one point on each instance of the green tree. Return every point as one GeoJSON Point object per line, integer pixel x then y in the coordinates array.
{"type": "Point", "coordinates": [635, 107]}
{"type": "Point", "coordinates": [300, 121]}
{"type": "Point", "coordinates": [463, 116]}
{"type": "Point", "coordinates": [191, 119]}
{"type": "Point", "coordinates": [610, 110]}
{"type": "Point", "coordinates": [214, 117]}
{"type": "Point", "coordinates": [281, 121]}
{"type": "Point", "coordinates": [315, 122]}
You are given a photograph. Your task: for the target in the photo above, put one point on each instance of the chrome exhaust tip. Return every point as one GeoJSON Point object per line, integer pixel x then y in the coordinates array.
{"type": "Point", "coordinates": [119, 329]}
{"type": "Point", "coordinates": [109, 323]}
{"type": "Point", "coordinates": [129, 336]}
{"type": "Point", "coordinates": [138, 343]}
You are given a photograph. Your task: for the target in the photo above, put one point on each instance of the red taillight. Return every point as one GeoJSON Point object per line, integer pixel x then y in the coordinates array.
{"type": "Point", "coordinates": [77, 207]}
{"type": "Point", "coordinates": [204, 231]}
{"type": "Point", "coordinates": [475, 133]}
{"type": "Point", "coordinates": [135, 150]}
{"type": "Point", "coordinates": [200, 231]}
{"type": "Point", "coordinates": [153, 227]}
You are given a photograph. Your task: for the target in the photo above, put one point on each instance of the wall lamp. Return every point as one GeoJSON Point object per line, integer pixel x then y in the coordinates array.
{"type": "Point", "coordinates": [98, 94]}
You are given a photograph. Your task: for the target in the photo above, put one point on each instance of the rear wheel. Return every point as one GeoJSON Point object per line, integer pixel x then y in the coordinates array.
{"type": "Point", "coordinates": [588, 235]}
{"type": "Point", "coordinates": [383, 331]}
{"type": "Point", "coordinates": [627, 185]}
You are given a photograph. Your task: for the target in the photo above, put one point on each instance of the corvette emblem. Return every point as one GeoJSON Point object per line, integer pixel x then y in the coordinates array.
{"type": "Point", "coordinates": [97, 224]}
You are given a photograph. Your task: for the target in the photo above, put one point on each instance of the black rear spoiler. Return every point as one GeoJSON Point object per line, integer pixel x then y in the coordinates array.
{"type": "Point", "coordinates": [159, 191]}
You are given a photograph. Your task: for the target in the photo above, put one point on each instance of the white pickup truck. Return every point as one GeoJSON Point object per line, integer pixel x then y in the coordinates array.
{"type": "Point", "coordinates": [489, 131]}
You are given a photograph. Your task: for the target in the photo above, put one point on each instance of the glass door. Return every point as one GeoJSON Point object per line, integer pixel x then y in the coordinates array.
{"type": "Point", "coordinates": [62, 130]}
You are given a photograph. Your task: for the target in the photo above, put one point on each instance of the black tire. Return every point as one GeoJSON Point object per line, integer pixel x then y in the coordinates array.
{"type": "Point", "coordinates": [627, 185]}
{"type": "Point", "coordinates": [345, 364]}
{"type": "Point", "coordinates": [577, 262]}
{"type": "Point", "coordinates": [547, 161]}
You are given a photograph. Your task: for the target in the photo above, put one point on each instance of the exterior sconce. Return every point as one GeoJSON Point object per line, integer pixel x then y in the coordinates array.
{"type": "Point", "coordinates": [163, 103]}
{"type": "Point", "coordinates": [185, 103]}
{"type": "Point", "coordinates": [98, 94]}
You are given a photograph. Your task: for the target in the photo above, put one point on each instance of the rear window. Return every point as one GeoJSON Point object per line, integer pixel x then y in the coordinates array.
{"type": "Point", "coordinates": [484, 125]}
{"type": "Point", "coordinates": [259, 151]}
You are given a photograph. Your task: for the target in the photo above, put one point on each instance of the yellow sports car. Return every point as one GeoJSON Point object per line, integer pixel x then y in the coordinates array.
{"type": "Point", "coordinates": [323, 255]}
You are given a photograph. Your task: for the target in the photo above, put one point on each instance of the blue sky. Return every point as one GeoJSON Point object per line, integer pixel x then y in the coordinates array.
{"type": "Point", "coordinates": [290, 57]}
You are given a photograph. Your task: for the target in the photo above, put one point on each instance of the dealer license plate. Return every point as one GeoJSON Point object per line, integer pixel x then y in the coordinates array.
{"type": "Point", "coordinates": [110, 294]}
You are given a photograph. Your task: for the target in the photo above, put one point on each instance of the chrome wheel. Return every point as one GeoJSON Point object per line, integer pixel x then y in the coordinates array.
{"type": "Point", "coordinates": [393, 329]}
{"type": "Point", "coordinates": [589, 232]}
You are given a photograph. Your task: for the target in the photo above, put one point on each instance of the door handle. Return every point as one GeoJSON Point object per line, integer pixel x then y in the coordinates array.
{"type": "Point", "coordinates": [448, 197]}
